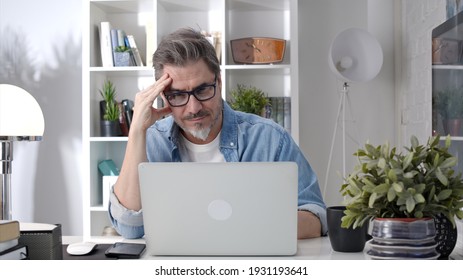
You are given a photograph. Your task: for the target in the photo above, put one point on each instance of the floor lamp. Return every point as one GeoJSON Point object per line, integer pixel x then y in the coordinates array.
{"type": "Point", "coordinates": [21, 119]}
{"type": "Point", "coordinates": [354, 56]}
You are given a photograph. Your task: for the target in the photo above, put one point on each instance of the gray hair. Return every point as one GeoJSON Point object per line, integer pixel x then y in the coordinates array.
{"type": "Point", "coordinates": [183, 46]}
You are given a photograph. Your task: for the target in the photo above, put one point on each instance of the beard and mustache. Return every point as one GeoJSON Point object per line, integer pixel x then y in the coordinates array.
{"type": "Point", "coordinates": [200, 131]}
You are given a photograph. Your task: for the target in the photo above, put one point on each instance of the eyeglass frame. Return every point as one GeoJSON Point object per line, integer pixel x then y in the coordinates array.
{"type": "Point", "coordinates": [193, 92]}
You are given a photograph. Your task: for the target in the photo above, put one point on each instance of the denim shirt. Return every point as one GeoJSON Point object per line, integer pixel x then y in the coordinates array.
{"type": "Point", "coordinates": [244, 138]}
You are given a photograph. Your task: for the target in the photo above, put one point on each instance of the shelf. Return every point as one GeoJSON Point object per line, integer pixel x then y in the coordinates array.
{"type": "Point", "coordinates": [257, 5]}
{"type": "Point", "coordinates": [256, 66]}
{"type": "Point", "coordinates": [123, 70]}
{"type": "Point", "coordinates": [109, 139]}
{"type": "Point", "coordinates": [118, 6]}
{"type": "Point", "coordinates": [453, 138]}
{"type": "Point", "coordinates": [172, 6]}
{"type": "Point", "coordinates": [149, 21]}
{"type": "Point", "coordinates": [98, 209]}
{"type": "Point", "coordinates": [447, 67]}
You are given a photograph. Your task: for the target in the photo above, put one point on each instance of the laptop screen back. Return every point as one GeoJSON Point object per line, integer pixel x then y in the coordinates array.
{"type": "Point", "coordinates": [243, 208]}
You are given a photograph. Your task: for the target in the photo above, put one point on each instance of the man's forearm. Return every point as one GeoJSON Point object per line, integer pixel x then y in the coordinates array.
{"type": "Point", "coordinates": [308, 225]}
{"type": "Point", "coordinates": [127, 188]}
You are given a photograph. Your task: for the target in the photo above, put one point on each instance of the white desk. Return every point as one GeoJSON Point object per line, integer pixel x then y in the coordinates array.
{"type": "Point", "coordinates": [308, 249]}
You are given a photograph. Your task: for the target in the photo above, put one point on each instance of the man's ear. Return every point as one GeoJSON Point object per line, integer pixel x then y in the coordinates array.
{"type": "Point", "coordinates": [219, 80]}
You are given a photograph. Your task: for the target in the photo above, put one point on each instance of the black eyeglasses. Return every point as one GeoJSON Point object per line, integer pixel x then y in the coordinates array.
{"type": "Point", "coordinates": [201, 93]}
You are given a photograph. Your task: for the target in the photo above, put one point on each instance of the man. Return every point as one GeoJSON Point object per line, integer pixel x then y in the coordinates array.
{"type": "Point", "coordinates": [202, 127]}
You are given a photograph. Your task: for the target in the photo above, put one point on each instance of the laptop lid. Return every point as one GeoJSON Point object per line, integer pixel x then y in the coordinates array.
{"type": "Point", "coordinates": [241, 208]}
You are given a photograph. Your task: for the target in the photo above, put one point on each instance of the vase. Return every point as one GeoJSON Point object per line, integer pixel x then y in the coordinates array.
{"type": "Point", "coordinates": [110, 128]}
{"type": "Point", "coordinates": [344, 239]}
{"type": "Point", "coordinates": [122, 59]}
{"type": "Point", "coordinates": [446, 236]}
{"type": "Point", "coordinates": [403, 238]}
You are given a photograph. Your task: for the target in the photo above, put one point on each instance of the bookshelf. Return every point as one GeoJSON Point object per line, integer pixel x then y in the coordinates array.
{"type": "Point", "coordinates": [447, 78]}
{"type": "Point", "coordinates": [231, 18]}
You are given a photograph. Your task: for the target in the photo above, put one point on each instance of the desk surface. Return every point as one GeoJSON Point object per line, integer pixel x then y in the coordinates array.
{"type": "Point", "coordinates": [309, 249]}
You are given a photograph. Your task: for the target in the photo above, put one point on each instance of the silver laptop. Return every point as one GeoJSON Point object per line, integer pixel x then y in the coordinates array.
{"type": "Point", "coordinates": [228, 209]}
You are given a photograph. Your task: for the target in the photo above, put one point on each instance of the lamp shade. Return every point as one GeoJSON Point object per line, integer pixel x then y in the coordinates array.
{"type": "Point", "coordinates": [20, 115]}
{"type": "Point", "coordinates": [355, 55]}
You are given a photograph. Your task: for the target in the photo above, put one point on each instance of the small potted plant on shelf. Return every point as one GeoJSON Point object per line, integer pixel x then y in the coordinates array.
{"type": "Point", "coordinates": [248, 99]}
{"type": "Point", "coordinates": [109, 110]}
{"type": "Point", "coordinates": [420, 183]}
{"type": "Point", "coordinates": [122, 56]}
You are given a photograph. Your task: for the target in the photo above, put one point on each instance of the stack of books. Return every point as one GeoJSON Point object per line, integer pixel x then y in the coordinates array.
{"type": "Point", "coordinates": [125, 115]}
{"type": "Point", "coordinates": [10, 248]}
{"type": "Point", "coordinates": [279, 110]}
{"type": "Point", "coordinates": [110, 39]}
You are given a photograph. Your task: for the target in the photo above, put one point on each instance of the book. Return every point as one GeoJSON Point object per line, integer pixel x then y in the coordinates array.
{"type": "Point", "coordinates": [150, 41]}
{"type": "Point", "coordinates": [107, 59]}
{"type": "Point", "coordinates": [114, 41]}
{"type": "Point", "coordinates": [127, 106]}
{"type": "Point", "coordinates": [120, 38]}
{"type": "Point", "coordinates": [287, 113]}
{"type": "Point", "coordinates": [135, 51]}
{"type": "Point", "coordinates": [108, 168]}
{"type": "Point", "coordinates": [280, 111]}
{"type": "Point", "coordinates": [5, 245]}
{"type": "Point", "coordinates": [18, 252]}
{"type": "Point", "coordinates": [123, 120]}
{"type": "Point", "coordinates": [9, 229]}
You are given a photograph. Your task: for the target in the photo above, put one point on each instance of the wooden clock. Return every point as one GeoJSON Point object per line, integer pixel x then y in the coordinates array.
{"type": "Point", "coordinates": [258, 50]}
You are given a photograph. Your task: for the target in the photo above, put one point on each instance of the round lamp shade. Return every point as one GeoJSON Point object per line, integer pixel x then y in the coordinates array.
{"type": "Point", "coordinates": [20, 115]}
{"type": "Point", "coordinates": [355, 55]}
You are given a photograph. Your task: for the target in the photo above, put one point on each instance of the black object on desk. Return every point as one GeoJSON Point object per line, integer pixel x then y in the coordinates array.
{"type": "Point", "coordinates": [123, 250]}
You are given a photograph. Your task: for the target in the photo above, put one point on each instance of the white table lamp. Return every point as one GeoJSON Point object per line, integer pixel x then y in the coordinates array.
{"type": "Point", "coordinates": [21, 119]}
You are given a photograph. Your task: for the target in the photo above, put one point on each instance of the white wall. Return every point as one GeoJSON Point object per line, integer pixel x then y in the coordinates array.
{"type": "Point", "coordinates": [371, 114]}
{"type": "Point", "coordinates": [415, 83]}
{"type": "Point", "coordinates": [47, 176]}
{"type": "Point", "coordinates": [46, 60]}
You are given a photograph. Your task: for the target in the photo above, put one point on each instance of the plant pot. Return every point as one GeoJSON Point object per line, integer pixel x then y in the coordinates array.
{"type": "Point", "coordinates": [403, 238]}
{"type": "Point", "coordinates": [344, 239]}
{"type": "Point", "coordinates": [446, 236]}
{"type": "Point", "coordinates": [110, 128]}
{"type": "Point", "coordinates": [122, 59]}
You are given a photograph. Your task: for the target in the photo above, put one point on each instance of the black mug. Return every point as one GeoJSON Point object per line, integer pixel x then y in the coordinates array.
{"type": "Point", "coordinates": [344, 239]}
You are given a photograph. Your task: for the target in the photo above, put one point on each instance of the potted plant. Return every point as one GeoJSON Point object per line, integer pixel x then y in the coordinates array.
{"type": "Point", "coordinates": [418, 183]}
{"type": "Point", "coordinates": [122, 56]}
{"type": "Point", "coordinates": [248, 99]}
{"type": "Point", "coordinates": [109, 109]}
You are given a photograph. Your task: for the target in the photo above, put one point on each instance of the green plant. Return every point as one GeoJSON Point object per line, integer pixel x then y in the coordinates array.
{"type": "Point", "coordinates": [248, 99]}
{"type": "Point", "coordinates": [449, 103]}
{"type": "Point", "coordinates": [108, 93]}
{"type": "Point", "coordinates": [421, 182]}
{"type": "Point", "coordinates": [122, 49]}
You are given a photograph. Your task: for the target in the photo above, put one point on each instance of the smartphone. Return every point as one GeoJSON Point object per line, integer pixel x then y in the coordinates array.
{"type": "Point", "coordinates": [124, 250]}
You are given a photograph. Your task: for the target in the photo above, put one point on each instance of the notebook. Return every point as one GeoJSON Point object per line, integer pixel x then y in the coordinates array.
{"type": "Point", "coordinates": [220, 209]}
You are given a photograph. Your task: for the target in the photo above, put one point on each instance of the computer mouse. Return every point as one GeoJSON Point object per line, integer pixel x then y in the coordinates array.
{"type": "Point", "coordinates": [81, 248]}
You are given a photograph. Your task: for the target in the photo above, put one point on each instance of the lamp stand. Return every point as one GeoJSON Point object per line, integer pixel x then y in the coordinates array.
{"type": "Point", "coordinates": [6, 157]}
{"type": "Point", "coordinates": [341, 109]}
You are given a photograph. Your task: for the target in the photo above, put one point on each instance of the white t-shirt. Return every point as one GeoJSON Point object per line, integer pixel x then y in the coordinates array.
{"type": "Point", "coordinates": [200, 153]}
